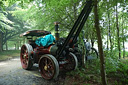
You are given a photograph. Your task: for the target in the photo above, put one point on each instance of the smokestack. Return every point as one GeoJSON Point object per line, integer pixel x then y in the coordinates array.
{"type": "Point", "coordinates": [56, 30]}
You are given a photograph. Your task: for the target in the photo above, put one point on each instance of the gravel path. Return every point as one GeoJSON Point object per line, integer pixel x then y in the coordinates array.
{"type": "Point", "coordinates": [11, 73]}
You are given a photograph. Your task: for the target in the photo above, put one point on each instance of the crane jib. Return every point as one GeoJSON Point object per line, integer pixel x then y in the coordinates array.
{"type": "Point", "coordinates": [78, 25]}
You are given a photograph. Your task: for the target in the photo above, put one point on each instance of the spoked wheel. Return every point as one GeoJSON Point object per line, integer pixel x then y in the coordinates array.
{"type": "Point", "coordinates": [48, 66]}
{"type": "Point", "coordinates": [25, 56]}
{"type": "Point", "coordinates": [72, 62]}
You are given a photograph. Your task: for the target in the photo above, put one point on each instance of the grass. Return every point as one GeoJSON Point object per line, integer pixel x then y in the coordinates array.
{"type": "Point", "coordinates": [4, 55]}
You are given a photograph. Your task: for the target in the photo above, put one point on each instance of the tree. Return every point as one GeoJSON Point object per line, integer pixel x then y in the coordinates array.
{"type": "Point", "coordinates": [1, 39]}
{"type": "Point", "coordinates": [118, 35]}
{"type": "Point", "coordinates": [101, 54]}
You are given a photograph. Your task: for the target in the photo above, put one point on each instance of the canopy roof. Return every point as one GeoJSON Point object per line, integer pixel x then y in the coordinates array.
{"type": "Point", "coordinates": [35, 33]}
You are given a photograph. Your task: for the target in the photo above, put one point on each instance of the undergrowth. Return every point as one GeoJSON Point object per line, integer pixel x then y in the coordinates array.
{"type": "Point", "coordinates": [9, 54]}
{"type": "Point", "coordinates": [116, 70]}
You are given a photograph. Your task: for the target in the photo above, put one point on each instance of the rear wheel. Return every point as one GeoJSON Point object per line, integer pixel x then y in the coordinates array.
{"type": "Point", "coordinates": [25, 56]}
{"type": "Point", "coordinates": [48, 66]}
{"type": "Point", "coordinates": [72, 62]}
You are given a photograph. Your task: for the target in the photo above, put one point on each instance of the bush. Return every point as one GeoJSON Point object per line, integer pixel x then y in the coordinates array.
{"type": "Point", "coordinates": [112, 61]}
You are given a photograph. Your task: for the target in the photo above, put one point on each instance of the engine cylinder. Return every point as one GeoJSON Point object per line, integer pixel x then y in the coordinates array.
{"type": "Point", "coordinates": [53, 50]}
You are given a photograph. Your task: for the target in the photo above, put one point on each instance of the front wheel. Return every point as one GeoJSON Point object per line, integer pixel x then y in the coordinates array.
{"type": "Point", "coordinates": [48, 66]}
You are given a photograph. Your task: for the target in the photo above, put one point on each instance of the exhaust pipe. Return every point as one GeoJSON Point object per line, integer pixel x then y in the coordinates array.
{"type": "Point", "coordinates": [56, 30]}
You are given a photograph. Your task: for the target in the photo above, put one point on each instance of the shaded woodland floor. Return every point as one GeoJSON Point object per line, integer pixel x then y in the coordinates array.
{"type": "Point", "coordinates": [89, 76]}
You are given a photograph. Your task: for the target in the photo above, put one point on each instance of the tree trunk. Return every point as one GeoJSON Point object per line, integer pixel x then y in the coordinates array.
{"type": "Point", "coordinates": [123, 48]}
{"type": "Point", "coordinates": [92, 42]}
{"type": "Point", "coordinates": [15, 46]}
{"type": "Point", "coordinates": [107, 41]}
{"type": "Point", "coordinates": [83, 58]}
{"type": "Point", "coordinates": [20, 43]}
{"type": "Point", "coordinates": [101, 54]}
{"type": "Point", "coordinates": [123, 37]}
{"type": "Point", "coordinates": [114, 37]}
{"type": "Point", "coordinates": [24, 41]}
{"type": "Point", "coordinates": [109, 33]}
{"type": "Point", "coordinates": [6, 45]}
{"type": "Point", "coordinates": [1, 43]}
{"type": "Point", "coordinates": [75, 11]}
{"type": "Point", "coordinates": [118, 36]}
{"type": "Point", "coordinates": [109, 28]}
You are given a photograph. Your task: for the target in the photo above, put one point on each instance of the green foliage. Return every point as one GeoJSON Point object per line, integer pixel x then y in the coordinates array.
{"type": "Point", "coordinates": [86, 84]}
{"type": "Point", "coordinates": [93, 66]}
{"type": "Point", "coordinates": [11, 26]}
{"type": "Point", "coordinates": [85, 75]}
{"type": "Point", "coordinates": [122, 71]}
{"type": "Point", "coordinates": [123, 68]}
{"type": "Point", "coordinates": [112, 61]}
{"type": "Point", "coordinates": [81, 73]}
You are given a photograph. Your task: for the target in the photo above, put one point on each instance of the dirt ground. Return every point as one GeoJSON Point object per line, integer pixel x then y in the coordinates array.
{"type": "Point", "coordinates": [11, 73]}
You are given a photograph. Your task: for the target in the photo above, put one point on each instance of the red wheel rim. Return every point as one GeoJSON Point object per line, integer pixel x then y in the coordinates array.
{"type": "Point", "coordinates": [47, 68]}
{"type": "Point", "coordinates": [24, 57]}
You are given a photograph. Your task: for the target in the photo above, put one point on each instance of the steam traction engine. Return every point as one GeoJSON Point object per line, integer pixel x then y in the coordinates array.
{"type": "Point", "coordinates": [57, 55]}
